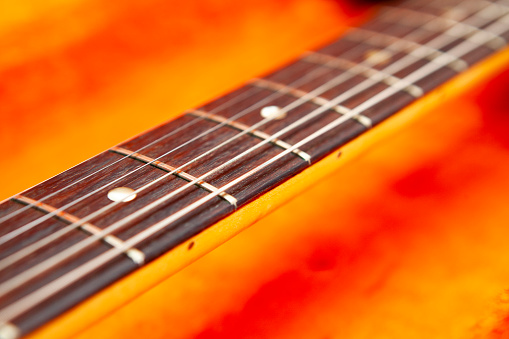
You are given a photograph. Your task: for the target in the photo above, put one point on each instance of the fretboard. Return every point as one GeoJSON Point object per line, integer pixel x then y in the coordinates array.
{"type": "Point", "coordinates": [79, 232]}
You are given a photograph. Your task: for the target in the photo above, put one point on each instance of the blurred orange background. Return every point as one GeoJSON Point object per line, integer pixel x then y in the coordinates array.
{"type": "Point", "coordinates": [409, 241]}
{"type": "Point", "coordinates": [79, 76]}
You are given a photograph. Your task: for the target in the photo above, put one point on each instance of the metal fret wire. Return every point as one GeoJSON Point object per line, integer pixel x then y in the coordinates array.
{"type": "Point", "coordinates": [100, 211]}
{"type": "Point", "coordinates": [35, 222]}
{"type": "Point", "coordinates": [7, 217]}
{"type": "Point", "coordinates": [10, 236]}
{"type": "Point", "coordinates": [392, 11]}
{"type": "Point", "coordinates": [378, 38]}
{"type": "Point", "coordinates": [45, 241]}
{"type": "Point", "coordinates": [461, 27]}
{"type": "Point", "coordinates": [21, 230]}
{"type": "Point", "coordinates": [389, 79]}
{"type": "Point", "coordinates": [229, 102]}
{"type": "Point", "coordinates": [72, 276]}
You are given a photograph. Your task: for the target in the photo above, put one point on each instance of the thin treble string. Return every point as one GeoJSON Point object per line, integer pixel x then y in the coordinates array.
{"type": "Point", "coordinates": [411, 78]}
{"type": "Point", "coordinates": [30, 249]}
{"type": "Point", "coordinates": [32, 224]}
{"type": "Point", "coordinates": [110, 228]}
{"type": "Point", "coordinates": [43, 242]}
{"type": "Point", "coordinates": [45, 292]}
{"type": "Point", "coordinates": [230, 102]}
{"type": "Point", "coordinates": [9, 236]}
{"type": "Point", "coordinates": [313, 114]}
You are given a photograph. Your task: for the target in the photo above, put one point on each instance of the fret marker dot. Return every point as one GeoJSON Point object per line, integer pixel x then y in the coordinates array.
{"type": "Point", "coordinates": [121, 194]}
{"type": "Point", "coordinates": [273, 112]}
{"type": "Point", "coordinates": [452, 13]}
{"type": "Point", "coordinates": [377, 57]}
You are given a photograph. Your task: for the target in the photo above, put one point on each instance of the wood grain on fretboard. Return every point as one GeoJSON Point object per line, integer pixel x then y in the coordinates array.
{"type": "Point", "coordinates": [369, 74]}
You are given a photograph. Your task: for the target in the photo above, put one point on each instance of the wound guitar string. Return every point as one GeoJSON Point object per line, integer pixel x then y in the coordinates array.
{"type": "Point", "coordinates": [189, 124]}
{"type": "Point", "coordinates": [32, 248]}
{"type": "Point", "coordinates": [228, 103]}
{"type": "Point", "coordinates": [335, 81]}
{"type": "Point", "coordinates": [19, 231]}
{"type": "Point", "coordinates": [63, 281]}
{"type": "Point", "coordinates": [313, 74]}
{"type": "Point", "coordinates": [308, 77]}
{"type": "Point", "coordinates": [247, 94]}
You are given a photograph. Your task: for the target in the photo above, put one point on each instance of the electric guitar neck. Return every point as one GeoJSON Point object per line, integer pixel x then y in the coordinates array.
{"type": "Point", "coordinates": [72, 236]}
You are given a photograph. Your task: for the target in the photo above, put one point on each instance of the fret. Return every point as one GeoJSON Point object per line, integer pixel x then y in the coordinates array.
{"type": "Point", "coordinates": [365, 77]}
{"type": "Point", "coordinates": [349, 91]}
{"type": "Point", "coordinates": [256, 133]}
{"type": "Point", "coordinates": [24, 323]}
{"type": "Point", "coordinates": [412, 48]}
{"type": "Point", "coordinates": [484, 17]}
{"type": "Point", "coordinates": [503, 3]}
{"type": "Point", "coordinates": [179, 173]}
{"type": "Point", "coordinates": [21, 216]}
{"type": "Point", "coordinates": [134, 254]}
{"type": "Point", "coordinates": [461, 49]}
{"type": "Point", "coordinates": [454, 28]}
{"type": "Point", "coordinates": [453, 9]}
{"type": "Point", "coordinates": [320, 101]}
{"type": "Point", "coordinates": [93, 192]}
{"type": "Point", "coordinates": [501, 23]}
{"type": "Point", "coordinates": [10, 250]}
{"type": "Point", "coordinates": [489, 9]}
{"type": "Point", "coordinates": [61, 186]}
{"type": "Point", "coordinates": [497, 28]}
{"type": "Point", "coordinates": [328, 85]}
{"type": "Point", "coordinates": [255, 101]}
{"type": "Point", "coordinates": [373, 74]}
{"type": "Point", "coordinates": [9, 331]}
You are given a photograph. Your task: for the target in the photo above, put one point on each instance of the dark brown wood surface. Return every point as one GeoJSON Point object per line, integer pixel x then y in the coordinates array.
{"type": "Point", "coordinates": [83, 189]}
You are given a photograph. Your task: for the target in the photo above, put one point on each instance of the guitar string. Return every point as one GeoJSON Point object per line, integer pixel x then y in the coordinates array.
{"type": "Point", "coordinates": [232, 101]}
{"type": "Point", "coordinates": [195, 120]}
{"type": "Point", "coordinates": [313, 74]}
{"type": "Point", "coordinates": [246, 94]}
{"type": "Point", "coordinates": [415, 76]}
{"type": "Point", "coordinates": [32, 248]}
{"type": "Point", "coordinates": [19, 231]}
{"type": "Point", "coordinates": [9, 236]}
{"type": "Point", "coordinates": [72, 276]}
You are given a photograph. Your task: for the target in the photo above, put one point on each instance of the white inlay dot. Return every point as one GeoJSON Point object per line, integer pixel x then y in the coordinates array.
{"type": "Point", "coordinates": [273, 112]}
{"type": "Point", "coordinates": [377, 57]}
{"type": "Point", "coordinates": [121, 194]}
{"type": "Point", "coordinates": [453, 13]}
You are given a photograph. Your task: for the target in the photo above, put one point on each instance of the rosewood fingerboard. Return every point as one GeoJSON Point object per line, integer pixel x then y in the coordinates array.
{"type": "Point", "coordinates": [64, 240]}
